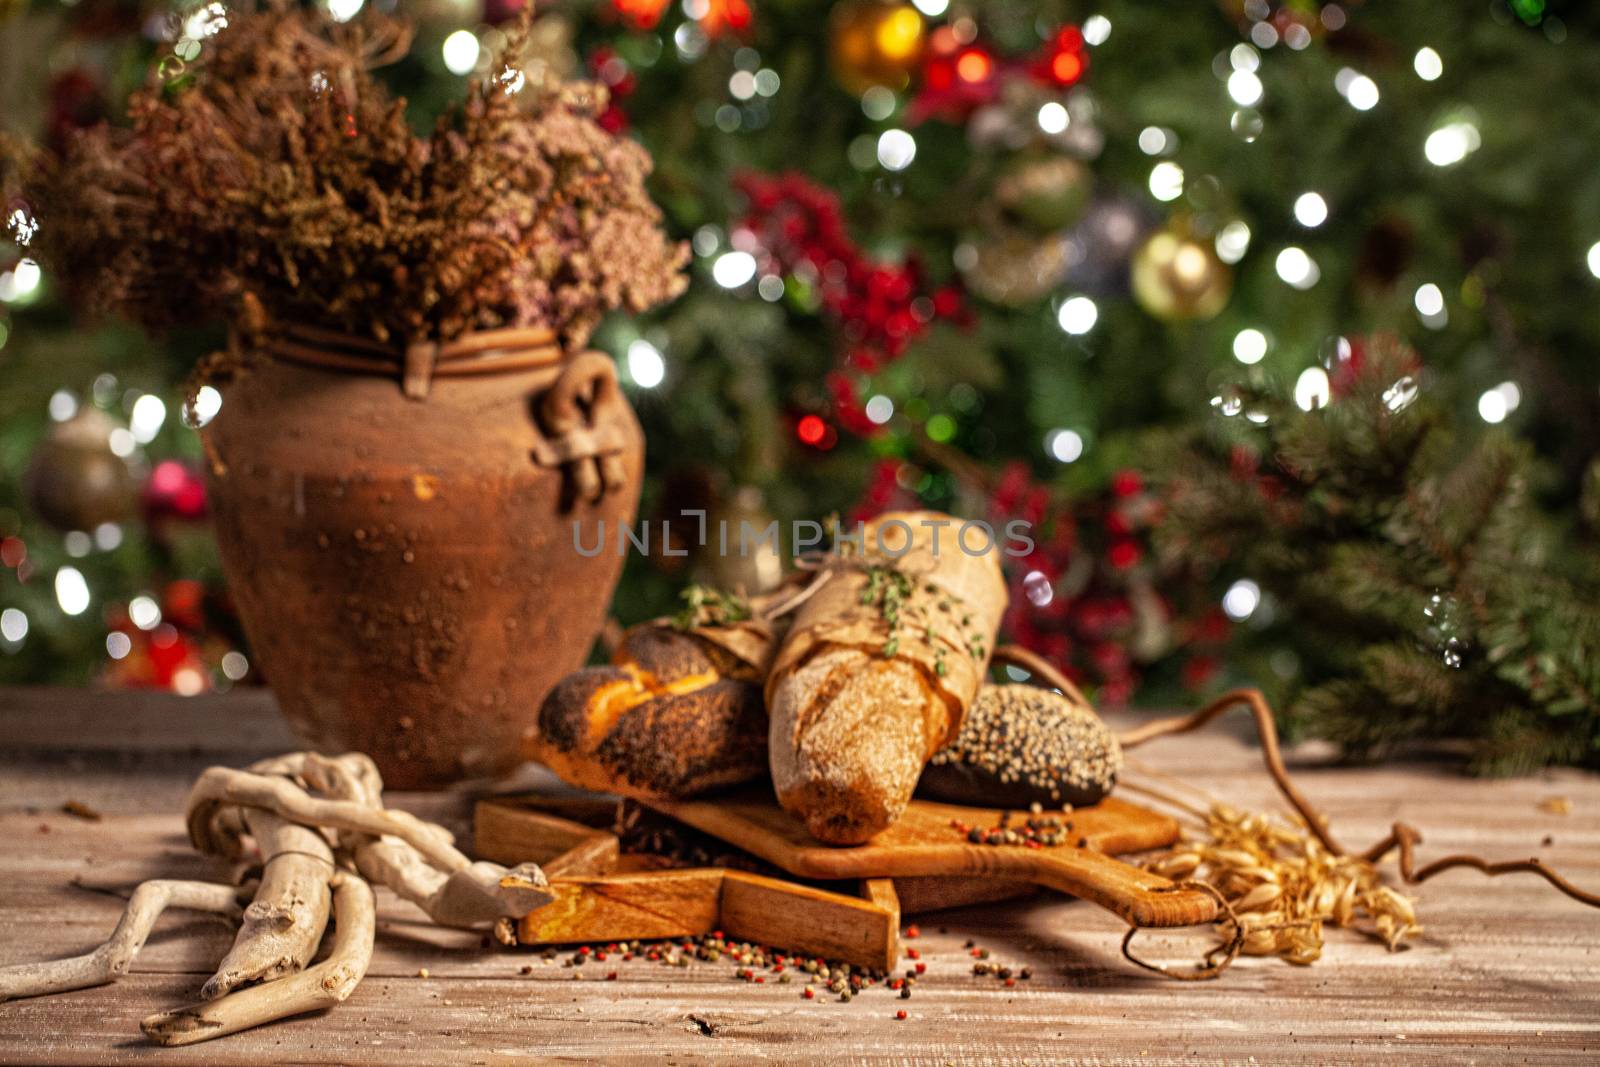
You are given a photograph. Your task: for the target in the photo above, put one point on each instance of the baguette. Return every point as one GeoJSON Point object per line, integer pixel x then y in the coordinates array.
{"type": "Point", "coordinates": [876, 672]}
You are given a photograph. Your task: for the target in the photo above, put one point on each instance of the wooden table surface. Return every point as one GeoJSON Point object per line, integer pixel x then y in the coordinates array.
{"type": "Point", "coordinates": [1507, 971]}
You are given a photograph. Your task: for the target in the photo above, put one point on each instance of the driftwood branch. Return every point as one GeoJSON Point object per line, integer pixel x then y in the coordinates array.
{"type": "Point", "coordinates": [283, 925]}
{"type": "Point", "coordinates": [111, 960]}
{"type": "Point", "coordinates": [221, 786]}
{"type": "Point", "coordinates": [470, 895]}
{"type": "Point", "coordinates": [323, 833]}
{"type": "Point", "coordinates": [322, 986]}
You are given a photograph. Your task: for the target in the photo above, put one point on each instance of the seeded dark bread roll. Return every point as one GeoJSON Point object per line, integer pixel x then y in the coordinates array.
{"type": "Point", "coordinates": [1021, 745]}
{"type": "Point", "coordinates": [676, 714]}
{"type": "Point", "coordinates": [877, 671]}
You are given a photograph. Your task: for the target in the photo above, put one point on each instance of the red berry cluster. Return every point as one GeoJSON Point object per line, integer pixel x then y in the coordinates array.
{"type": "Point", "coordinates": [1087, 590]}
{"type": "Point", "coordinates": [611, 70]}
{"type": "Point", "coordinates": [879, 307]}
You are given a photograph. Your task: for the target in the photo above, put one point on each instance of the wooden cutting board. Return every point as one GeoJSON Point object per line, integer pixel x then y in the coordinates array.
{"type": "Point", "coordinates": [924, 842]}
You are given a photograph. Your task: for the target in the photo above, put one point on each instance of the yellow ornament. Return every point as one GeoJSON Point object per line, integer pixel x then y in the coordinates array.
{"type": "Point", "coordinates": [1177, 275]}
{"type": "Point", "coordinates": [874, 43]}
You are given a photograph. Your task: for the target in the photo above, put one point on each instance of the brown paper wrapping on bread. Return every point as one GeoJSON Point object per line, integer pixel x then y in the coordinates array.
{"type": "Point", "coordinates": [856, 706]}
{"type": "Point", "coordinates": [753, 642]}
{"type": "Point", "coordinates": [959, 600]}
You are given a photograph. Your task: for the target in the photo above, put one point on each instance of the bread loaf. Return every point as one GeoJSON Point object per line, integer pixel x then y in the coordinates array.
{"type": "Point", "coordinates": [1022, 745]}
{"type": "Point", "coordinates": [876, 672]}
{"type": "Point", "coordinates": [677, 713]}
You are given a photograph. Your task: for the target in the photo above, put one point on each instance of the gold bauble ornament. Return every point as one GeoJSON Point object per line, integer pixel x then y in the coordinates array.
{"type": "Point", "coordinates": [1177, 276]}
{"type": "Point", "coordinates": [874, 43]}
{"type": "Point", "coordinates": [75, 480]}
{"type": "Point", "coordinates": [1014, 268]}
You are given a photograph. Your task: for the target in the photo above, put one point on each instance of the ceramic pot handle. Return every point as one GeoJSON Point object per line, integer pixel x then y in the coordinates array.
{"type": "Point", "coordinates": [583, 416]}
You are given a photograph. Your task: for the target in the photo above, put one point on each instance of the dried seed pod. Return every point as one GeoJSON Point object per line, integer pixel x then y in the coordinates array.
{"type": "Point", "coordinates": [1258, 897]}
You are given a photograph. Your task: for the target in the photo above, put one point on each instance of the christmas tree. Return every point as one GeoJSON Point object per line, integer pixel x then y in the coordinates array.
{"type": "Point", "coordinates": [1075, 263]}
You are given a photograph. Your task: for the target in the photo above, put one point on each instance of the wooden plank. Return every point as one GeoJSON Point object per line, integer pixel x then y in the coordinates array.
{"type": "Point", "coordinates": [1505, 971]}
{"type": "Point", "coordinates": [809, 921]}
{"type": "Point", "coordinates": [72, 720]}
{"type": "Point", "coordinates": [511, 833]}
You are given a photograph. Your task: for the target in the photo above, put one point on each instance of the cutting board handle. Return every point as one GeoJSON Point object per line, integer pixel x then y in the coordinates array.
{"type": "Point", "coordinates": [1137, 896]}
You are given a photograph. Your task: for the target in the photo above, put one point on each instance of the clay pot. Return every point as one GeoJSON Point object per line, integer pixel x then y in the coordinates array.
{"type": "Point", "coordinates": [404, 569]}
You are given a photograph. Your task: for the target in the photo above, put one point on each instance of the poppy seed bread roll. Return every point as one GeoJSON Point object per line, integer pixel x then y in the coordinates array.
{"type": "Point", "coordinates": [676, 714]}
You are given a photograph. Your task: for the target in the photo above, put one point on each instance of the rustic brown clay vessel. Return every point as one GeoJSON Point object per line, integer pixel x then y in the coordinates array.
{"type": "Point", "coordinates": [404, 565]}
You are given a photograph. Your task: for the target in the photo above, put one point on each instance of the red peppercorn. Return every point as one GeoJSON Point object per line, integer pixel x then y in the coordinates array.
{"type": "Point", "coordinates": [913, 930]}
{"type": "Point", "coordinates": [777, 968]}
{"type": "Point", "coordinates": [601, 956]}
{"type": "Point", "coordinates": [901, 1014]}
{"type": "Point", "coordinates": [809, 994]}
{"type": "Point", "coordinates": [760, 979]}
{"type": "Point", "coordinates": [922, 968]}
{"type": "Point", "coordinates": [611, 976]}
{"type": "Point", "coordinates": [913, 954]}
{"type": "Point", "coordinates": [1010, 982]}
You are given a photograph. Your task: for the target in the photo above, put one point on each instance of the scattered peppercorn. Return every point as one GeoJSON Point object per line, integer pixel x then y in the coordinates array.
{"type": "Point", "coordinates": [901, 1014]}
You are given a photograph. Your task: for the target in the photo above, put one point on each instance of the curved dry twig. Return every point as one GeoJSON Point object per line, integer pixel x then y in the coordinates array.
{"type": "Point", "coordinates": [1036, 664]}
{"type": "Point", "coordinates": [322, 986]}
{"type": "Point", "coordinates": [1218, 959]}
{"type": "Point", "coordinates": [111, 960]}
{"type": "Point", "coordinates": [1271, 753]}
{"type": "Point", "coordinates": [1404, 838]}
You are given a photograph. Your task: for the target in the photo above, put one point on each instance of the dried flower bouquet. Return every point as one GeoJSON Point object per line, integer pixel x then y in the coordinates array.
{"type": "Point", "coordinates": [277, 179]}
